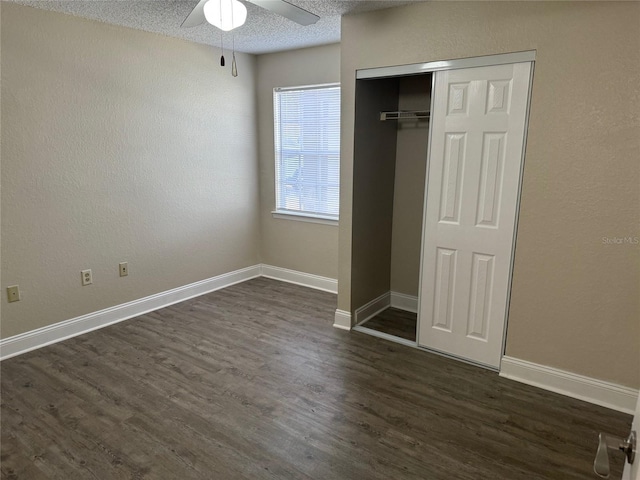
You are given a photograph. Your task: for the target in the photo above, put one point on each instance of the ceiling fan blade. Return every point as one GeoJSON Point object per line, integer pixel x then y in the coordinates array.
{"type": "Point", "coordinates": [287, 10]}
{"type": "Point", "coordinates": [196, 17]}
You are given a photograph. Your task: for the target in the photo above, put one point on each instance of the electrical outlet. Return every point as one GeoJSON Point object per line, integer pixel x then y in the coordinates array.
{"type": "Point", "coordinates": [124, 269]}
{"type": "Point", "coordinates": [87, 277]}
{"type": "Point", "coordinates": [13, 293]}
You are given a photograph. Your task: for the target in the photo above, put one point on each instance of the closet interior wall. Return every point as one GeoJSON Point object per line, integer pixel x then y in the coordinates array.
{"type": "Point", "coordinates": [373, 187]}
{"type": "Point", "coordinates": [390, 160]}
{"type": "Point", "coordinates": [409, 186]}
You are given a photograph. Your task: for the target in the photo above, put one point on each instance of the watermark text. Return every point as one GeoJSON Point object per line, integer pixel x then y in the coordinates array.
{"type": "Point", "coordinates": [620, 240]}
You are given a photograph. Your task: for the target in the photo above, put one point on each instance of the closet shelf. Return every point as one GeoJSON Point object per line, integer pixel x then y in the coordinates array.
{"type": "Point", "coordinates": [404, 115]}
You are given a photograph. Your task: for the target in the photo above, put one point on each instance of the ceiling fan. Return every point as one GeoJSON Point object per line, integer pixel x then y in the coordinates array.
{"type": "Point", "coordinates": [282, 8]}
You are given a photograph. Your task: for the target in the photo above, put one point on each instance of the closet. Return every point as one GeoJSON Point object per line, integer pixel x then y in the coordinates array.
{"type": "Point", "coordinates": [392, 121]}
{"type": "Point", "coordinates": [438, 157]}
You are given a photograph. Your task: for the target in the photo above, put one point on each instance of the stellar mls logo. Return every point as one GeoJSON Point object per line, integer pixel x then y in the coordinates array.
{"type": "Point", "coordinates": [620, 240]}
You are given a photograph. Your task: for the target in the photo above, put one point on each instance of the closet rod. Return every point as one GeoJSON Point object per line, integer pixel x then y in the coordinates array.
{"type": "Point", "coordinates": [404, 115]}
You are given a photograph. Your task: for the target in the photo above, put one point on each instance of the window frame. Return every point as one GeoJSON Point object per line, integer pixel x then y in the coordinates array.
{"type": "Point", "coordinates": [299, 215]}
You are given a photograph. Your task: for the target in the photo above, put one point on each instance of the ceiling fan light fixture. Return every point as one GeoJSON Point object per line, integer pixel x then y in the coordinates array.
{"type": "Point", "coordinates": [225, 14]}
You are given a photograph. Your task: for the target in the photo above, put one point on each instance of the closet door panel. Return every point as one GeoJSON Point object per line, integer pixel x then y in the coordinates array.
{"type": "Point", "coordinates": [478, 127]}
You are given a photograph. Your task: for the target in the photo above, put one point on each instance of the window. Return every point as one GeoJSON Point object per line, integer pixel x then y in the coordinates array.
{"type": "Point", "coordinates": [307, 150]}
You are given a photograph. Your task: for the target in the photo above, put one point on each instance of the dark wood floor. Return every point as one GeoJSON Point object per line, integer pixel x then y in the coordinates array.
{"type": "Point", "coordinates": [393, 321]}
{"type": "Point", "coordinates": [252, 382]}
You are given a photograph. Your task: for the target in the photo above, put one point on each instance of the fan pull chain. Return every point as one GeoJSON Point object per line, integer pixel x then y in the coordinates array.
{"type": "Point", "coordinates": [222, 50]}
{"type": "Point", "coordinates": [234, 67]}
{"type": "Point", "coordinates": [221, 41]}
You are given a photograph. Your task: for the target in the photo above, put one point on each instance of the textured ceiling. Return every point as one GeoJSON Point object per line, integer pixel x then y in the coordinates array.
{"type": "Point", "coordinates": [263, 32]}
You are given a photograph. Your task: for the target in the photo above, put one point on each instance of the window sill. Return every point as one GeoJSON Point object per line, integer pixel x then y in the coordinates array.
{"type": "Point", "coordinates": [304, 217]}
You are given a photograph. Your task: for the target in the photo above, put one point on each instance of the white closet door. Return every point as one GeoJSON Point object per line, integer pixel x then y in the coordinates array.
{"type": "Point", "coordinates": [478, 117]}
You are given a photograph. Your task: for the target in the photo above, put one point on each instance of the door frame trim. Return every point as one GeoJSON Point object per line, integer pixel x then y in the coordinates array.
{"type": "Point", "coordinates": [424, 208]}
{"type": "Point", "coordinates": [516, 223]}
{"type": "Point", "coordinates": [470, 62]}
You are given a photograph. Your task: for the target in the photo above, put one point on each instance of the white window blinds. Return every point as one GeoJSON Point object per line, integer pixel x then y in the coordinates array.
{"type": "Point", "coordinates": [307, 150]}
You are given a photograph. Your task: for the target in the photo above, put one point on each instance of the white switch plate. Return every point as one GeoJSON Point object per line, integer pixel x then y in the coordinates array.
{"type": "Point", "coordinates": [87, 277]}
{"type": "Point", "coordinates": [13, 293]}
{"type": "Point", "coordinates": [124, 269]}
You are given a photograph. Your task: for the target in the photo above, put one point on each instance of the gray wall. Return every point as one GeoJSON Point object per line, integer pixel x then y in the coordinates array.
{"type": "Point", "coordinates": [117, 145]}
{"type": "Point", "coordinates": [388, 192]}
{"type": "Point", "coordinates": [374, 157]}
{"type": "Point", "coordinates": [301, 246]}
{"type": "Point", "coordinates": [575, 303]}
{"type": "Point", "coordinates": [408, 192]}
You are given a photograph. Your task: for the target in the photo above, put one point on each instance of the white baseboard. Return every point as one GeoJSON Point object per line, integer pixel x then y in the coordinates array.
{"type": "Point", "coordinates": [300, 278]}
{"type": "Point", "coordinates": [25, 342]}
{"type": "Point", "coordinates": [602, 393]}
{"type": "Point", "coordinates": [408, 303]}
{"type": "Point", "coordinates": [372, 308]}
{"type": "Point", "coordinates": [342, 320]}
{"type": "Point", "coordinates": [605, 394]}
{"type": "Point", "coordinates": [41, 337]}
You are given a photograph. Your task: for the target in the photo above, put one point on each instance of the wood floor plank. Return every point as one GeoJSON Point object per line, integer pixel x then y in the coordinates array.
{"type": "Point", "coordinates": [253, 382]}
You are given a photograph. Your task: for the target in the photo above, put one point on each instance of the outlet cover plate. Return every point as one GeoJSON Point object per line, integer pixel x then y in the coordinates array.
{"type": "Point", "coordinates": [13, 293]}
{"type": "Point", "coordinates": [87, 277]}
